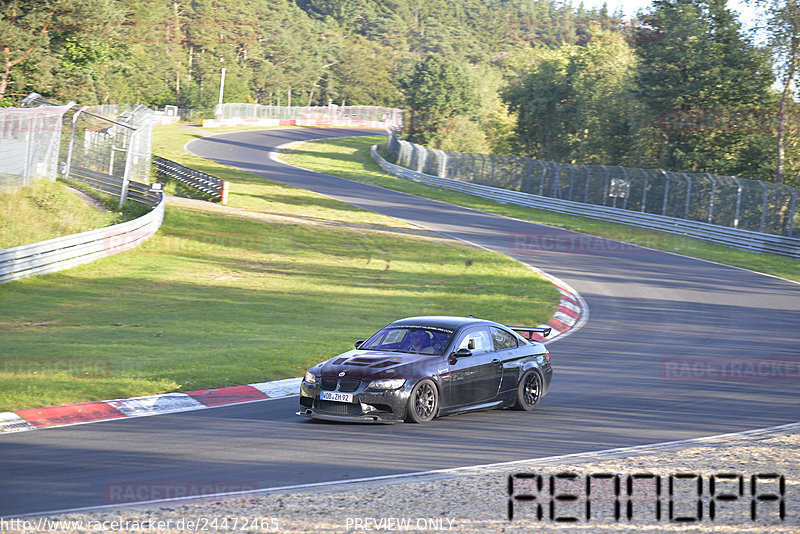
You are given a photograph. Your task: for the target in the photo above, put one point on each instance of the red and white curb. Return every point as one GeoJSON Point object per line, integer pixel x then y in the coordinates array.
{"type": "Point", "coordinates": [88, 412]}
{"type": "Point", "coordinates": [572, 312]}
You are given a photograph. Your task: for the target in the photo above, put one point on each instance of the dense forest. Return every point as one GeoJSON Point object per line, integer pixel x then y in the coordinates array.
{"type": "Point", "coordinates": [681, 86]}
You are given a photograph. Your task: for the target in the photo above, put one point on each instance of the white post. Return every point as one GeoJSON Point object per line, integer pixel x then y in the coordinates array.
{"type": "Point", "coordinates": [221, 84]}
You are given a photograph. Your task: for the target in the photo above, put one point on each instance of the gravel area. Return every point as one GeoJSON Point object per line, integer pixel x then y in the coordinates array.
{"type": "Point", "coordinates": [477, 499]}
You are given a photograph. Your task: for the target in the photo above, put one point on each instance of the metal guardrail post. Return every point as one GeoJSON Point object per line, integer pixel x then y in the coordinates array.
{"type": "Point", "coordinates": [666, 192]}
{"type": "Point", "coordinates": [791, 215]}
{"type": "Point", "coordinates": [606, 184]}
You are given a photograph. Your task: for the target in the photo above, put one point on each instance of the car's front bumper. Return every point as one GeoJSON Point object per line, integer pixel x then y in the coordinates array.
{"type": "Point", "coordinates": [388, 406]}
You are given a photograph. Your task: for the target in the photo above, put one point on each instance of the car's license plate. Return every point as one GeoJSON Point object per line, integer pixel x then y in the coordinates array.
{"type": "Point", "coordinates": [336, 396]}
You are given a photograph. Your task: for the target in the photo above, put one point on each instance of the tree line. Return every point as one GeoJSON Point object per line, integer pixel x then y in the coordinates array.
{"type": "Point", "coordinates": [681, 87]}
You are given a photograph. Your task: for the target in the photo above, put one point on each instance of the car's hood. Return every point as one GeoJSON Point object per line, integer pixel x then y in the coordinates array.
{"type": "Point", "coordinates": [372, 364]}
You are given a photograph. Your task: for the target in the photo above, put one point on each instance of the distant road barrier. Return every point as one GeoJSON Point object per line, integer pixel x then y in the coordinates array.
{"type": "Point", "coordinates": [742, 239]}
{"type": "Point", "coordinates": [235, 114]}
{"type": "Point", "coordinates": [205, 183]}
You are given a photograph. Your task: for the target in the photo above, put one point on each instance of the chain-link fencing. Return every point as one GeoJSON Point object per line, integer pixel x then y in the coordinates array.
{"type": "Point", "coordinates": [29, 144]}
{"type": "Point", "coordinates": [722, 200]}
{"type": "Point", "coordinates": [99, 150]}
{"type": "Point", "coordinates": [374, 116]}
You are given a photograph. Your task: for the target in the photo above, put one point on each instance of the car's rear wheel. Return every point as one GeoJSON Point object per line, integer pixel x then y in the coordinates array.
{"type": "Point", "coordinates": [423, 403]}
{"type": "Point", "coordinates": [529, 391]}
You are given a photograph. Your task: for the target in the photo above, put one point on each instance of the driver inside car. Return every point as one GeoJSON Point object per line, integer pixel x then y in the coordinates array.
{"type": "Point", "coordinates": [421, 342]}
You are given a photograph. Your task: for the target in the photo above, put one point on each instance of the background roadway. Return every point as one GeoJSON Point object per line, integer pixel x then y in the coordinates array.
{"type": "Point", "coordinates": [609, 388]}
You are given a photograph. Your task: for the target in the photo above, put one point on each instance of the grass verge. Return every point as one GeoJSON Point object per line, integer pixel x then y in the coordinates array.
{"type": "Point", "coordinates": [44, 210]}
{"type": "Point", "coordinates": [350, 158]}
{"type": "Point", "coordinates": [225, 296]}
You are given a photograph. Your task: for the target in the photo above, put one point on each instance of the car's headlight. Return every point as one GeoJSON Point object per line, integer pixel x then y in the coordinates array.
{"type": "Point", "coordinates": [310, 378]}
{"type": "Point", "coordinates": [392, 383]}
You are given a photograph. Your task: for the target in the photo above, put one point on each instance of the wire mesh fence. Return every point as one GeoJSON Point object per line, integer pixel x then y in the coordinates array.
{"type": "Point", "coordinates": [374, 115]}
{"type": "Point", "coordinates": [722, 200]}
{"type": "Point", "coordinates": [120, 147]}
{"type": "Point", "coordinates": [29, 144]}
{"type": "Point", "coordinates": [87, 144]}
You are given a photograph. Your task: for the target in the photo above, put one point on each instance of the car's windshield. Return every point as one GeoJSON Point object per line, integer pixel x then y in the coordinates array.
{"type": "Point", "coordinates": [413, 339]}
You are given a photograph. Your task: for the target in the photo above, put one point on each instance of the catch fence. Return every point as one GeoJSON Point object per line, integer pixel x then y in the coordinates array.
{"type": "Point", "coordinates": [738, 203]}
{"type": "Point", "coordinates": [29, 144]}
{"type": "Point", "coordinates": [333, 115]}
{"type": "Point", "coordinates": [93, 144]}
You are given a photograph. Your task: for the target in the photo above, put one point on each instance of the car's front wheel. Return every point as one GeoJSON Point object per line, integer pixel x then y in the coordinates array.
{"type": "Point", "coordinates": [423, 403]}
{"type": "Point", "coordinates": [529, 391]}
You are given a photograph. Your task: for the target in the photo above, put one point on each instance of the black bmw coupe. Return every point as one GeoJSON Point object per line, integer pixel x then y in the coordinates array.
{"type": "Point", "coordinates": [419, 368]}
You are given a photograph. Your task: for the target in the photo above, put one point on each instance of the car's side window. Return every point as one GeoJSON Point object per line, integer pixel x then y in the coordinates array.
{"type": "Point", "coordinates": [503, 340]}
{"type": "Point", "coordinates": [477, 341]}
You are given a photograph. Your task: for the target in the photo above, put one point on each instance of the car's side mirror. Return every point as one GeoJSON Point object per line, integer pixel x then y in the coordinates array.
{"type": "Point", "coordinates": [462, 353]}
{"type": "Point", "coordinates": [360, 342]}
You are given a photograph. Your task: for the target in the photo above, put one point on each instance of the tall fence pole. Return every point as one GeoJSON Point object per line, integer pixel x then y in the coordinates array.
{"type": "Point", "coordinates": [126, 177]}
{"type": "Point", "coordinates": [71, 145]}
{"type": "Point", "coordinates": [738, 202]}
{"type": "Point", "coordinates": [764, 206]}
{"type": "Point", "coordinates": [713, 194]}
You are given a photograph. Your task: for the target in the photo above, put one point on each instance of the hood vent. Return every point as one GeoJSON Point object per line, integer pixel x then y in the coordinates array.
{"type": "Point", "coordinates": [385, 363]}
{"type": "Point", "coordinates": [363, 361]}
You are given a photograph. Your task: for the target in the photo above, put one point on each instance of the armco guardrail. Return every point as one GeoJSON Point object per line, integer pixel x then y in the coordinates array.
{"type": "Point", "coordinates": [137, 192]}
{"type": "Point", "coordinates": [69, 251]}
{"type": "Point", "coordinates": [205, 183]}
{"type": "Point", "coordinates": [742, 239]}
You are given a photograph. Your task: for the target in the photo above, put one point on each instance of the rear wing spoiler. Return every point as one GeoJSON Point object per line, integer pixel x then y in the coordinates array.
{"type": "Point", "coordinates": [528, 332]}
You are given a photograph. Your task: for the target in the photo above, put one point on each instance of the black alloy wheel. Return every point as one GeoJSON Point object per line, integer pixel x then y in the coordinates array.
{"type": "Point", "coordinates": [423, 402]}
{"type": "Point", "coordinates": [529, 391]}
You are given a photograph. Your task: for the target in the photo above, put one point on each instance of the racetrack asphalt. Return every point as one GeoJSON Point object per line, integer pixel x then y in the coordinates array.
{"type": "Point", "coordinates": [646, 368]}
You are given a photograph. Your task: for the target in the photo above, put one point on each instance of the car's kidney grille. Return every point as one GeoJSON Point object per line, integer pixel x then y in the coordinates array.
{"type": "Point", "coordinates": [346, 384]}
{"type": "Point", "coordinates": [338, 408]}
{"type": "Point", "coordinates": [328, 383]}
{"type": "Point", "coordinates": [349, 385]}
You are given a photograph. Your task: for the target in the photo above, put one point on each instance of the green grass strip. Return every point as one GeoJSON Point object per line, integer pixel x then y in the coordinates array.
{"type": "Point", "coordinates": [45, 210]}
